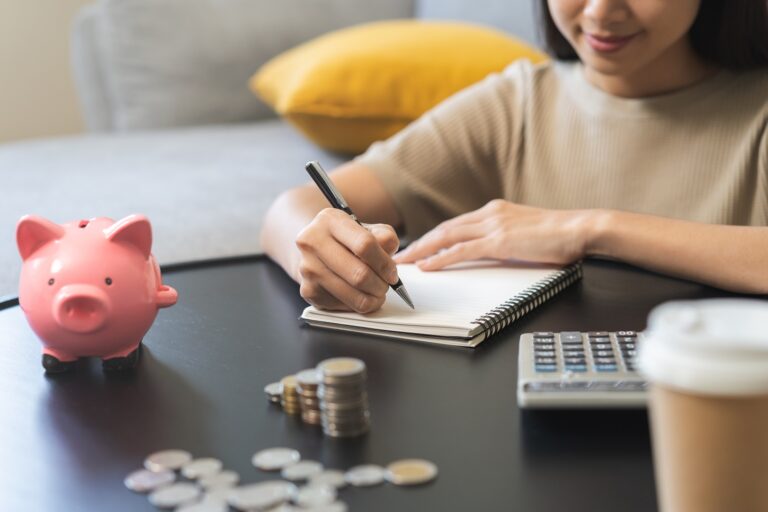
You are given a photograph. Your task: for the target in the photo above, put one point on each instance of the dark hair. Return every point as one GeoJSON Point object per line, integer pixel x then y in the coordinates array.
{"type": "Point", "coordinates": [729, 33]}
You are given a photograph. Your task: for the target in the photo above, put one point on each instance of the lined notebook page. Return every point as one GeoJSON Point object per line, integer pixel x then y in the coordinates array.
{"type": "Point", "coordinates": [447, 301]}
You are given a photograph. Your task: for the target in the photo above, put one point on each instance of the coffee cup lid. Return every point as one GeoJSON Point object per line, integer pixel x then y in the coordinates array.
{"type": "Point", "coordinates": [713, 346]}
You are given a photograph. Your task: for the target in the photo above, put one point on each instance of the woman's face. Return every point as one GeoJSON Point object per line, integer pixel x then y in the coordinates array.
{"type": "Point", "coordinates": [623, 37]}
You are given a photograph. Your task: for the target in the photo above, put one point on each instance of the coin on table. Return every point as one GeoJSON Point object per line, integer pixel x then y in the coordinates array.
{"type": "Point", "coordinates": [174, 495]}
{"type": "Point", "coordinates": [302, 470]}
{"type": "Point", "coordinates": [365, 476]}
{"type": "Point", "coordinates": [340, 367]}
{"type": "Point", "coordinates": [205, 506]}
{"type": "Point", "coordinates": [167, 459]}
{"type": "Point", "coordinates": [144, 480]}
{"type": "Point", "coordinates": [288, 384]}
{"type": "Point", "coordinates": [262, 495]}
{"type": "Point", "coordinates": [332, 477]}
{"type": "Point", "coordinates": [222, 480]}
{"type": "Point", "coordinates": [274, 392]}
{"type": "Point", "coordinates": [309, 378]}
{"type": "Point", "coordinates": [199, 468]}
{"type": "Point", "coordinates": [411, 472]}
{"type": "Point", "coordinates": [315, 495]}
{"type": "Point", "coordinates": [273, 459]}
{"type": "Point", "coordinates": [220, 494]}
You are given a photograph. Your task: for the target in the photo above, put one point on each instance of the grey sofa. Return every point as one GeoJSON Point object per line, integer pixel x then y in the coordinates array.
{"type": "Point", "coordinates": [173, 131]}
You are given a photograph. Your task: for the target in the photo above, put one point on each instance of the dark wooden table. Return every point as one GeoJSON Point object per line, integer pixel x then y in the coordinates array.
{"type": "Point", "coordinates": [67, 441]}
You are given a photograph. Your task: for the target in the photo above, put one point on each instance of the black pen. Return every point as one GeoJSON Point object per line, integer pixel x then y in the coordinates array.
{"type": "Point", "coordinates": [333, 196]}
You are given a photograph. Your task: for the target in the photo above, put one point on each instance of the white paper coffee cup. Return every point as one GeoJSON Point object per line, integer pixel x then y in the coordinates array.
{"type": "Point", "coordinates": [707, 366]}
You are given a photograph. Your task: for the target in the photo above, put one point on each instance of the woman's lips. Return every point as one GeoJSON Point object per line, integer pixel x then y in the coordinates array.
{"type": "Point", "coordinates": [607, 44]}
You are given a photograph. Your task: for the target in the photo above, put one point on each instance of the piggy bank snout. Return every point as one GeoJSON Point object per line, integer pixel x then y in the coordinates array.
{"type": "Point", "coordinates": [81, 308]}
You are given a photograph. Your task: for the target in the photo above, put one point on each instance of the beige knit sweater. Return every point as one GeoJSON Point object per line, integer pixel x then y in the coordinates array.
{"type": "Point", "coordinates": [544, 136]}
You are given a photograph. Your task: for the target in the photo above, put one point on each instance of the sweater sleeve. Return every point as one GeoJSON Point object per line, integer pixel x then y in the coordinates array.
{"type": "Point", "coordinates": [449, 161]}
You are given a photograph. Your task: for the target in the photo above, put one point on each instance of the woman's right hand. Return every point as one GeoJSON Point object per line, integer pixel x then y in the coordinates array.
{"type": "Point", "coordinates": [344, 266]}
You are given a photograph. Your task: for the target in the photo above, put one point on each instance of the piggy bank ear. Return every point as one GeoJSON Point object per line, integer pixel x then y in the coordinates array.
{"type": "Point", "coordinates": [33, 232]}
{"type": "Point", "coordinates": [133, 230]}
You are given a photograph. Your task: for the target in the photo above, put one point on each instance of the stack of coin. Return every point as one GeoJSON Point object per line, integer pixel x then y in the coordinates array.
{"type": "Point", "coordinates": [343, 397]}
{"type": "Point", "coordinates": [308, 382]}
{"type": "Point", "coordinates": [290, 398]}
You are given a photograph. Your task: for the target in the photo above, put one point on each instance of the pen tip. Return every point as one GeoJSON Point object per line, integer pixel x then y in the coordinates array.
{"type": "Point", "coordinates": [404, 295]}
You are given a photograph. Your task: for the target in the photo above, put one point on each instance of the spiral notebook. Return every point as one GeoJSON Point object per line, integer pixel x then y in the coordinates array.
{"type": "Point", "coordinates": [461, 305]}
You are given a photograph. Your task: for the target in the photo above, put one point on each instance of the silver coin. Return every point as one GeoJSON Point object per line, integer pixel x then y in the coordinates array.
{"type": "Point", "coordinates": [336, 506]}
{"type": "Point", "coordinates": [285, 507]}
{"type": "Point", "coordinates": [274, 391]}
{"type": "Point", "coordinates": [174, 495]}
{"type": "Point", "coordinates": [366, 475]}
{"type": "Point", "coordinates": [144, 480]}
{"type": "Point", "coordinates": [262, 495]}
{"type": "Point", "coordinates": [332, 477]}
{"type": "Point", "coordinates": [167, 459]}
{"type": "Point", "coordinates": [309, 377]}
{"type": "Point", "coordinates": [199, 468]}
{"type": "Point", "coordinates": [273, 459]}
{"type": "Point", "coordinates": [220, 494]}
{"type": "Point", "coordinates": [223, 480]}
{"type": "Point", "coordinates": [302, 470]}
{"type": "Point", "coordinates": [205, 506]}
{"type": "Point", "coordinates": [411, 472]}
{"type": "Point", "coordinates": [315, 495]}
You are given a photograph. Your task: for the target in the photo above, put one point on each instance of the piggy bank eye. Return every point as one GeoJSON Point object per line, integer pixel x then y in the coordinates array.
{"type": "Point", "coordinates": [108, 281]}
{"type": "Point", "coordinates": [51, 281]}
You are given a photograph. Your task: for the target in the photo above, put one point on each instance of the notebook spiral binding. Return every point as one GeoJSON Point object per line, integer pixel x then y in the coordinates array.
{"type": "Point", "coordinates": [528, 300]}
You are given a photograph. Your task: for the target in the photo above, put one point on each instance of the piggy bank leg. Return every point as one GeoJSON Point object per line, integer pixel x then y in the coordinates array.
{"type": "Point", "coordinates": [122, 362]}
{"type": "Point", "coordinates": [57, 362]}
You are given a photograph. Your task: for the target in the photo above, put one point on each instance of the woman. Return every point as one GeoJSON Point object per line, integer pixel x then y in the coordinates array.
{"type": "Point", "coordinates": [646, 141]}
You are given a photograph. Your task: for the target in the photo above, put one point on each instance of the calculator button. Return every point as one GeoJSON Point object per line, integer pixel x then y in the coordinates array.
{"type": "Point", "coordinates": [546, 368]}
{"type": "Point", "coordinates": [575, 360]}
{"type": "Point", "coordinates": [628, 353]}
{"type": "Point", "coordinates": [544, 353]}
{"type": "Point", "coordinates": [605, 367]}
{"type": "Point", "coordinates": [545, 360]}
{"type": "Point", "coordinates": [573, 353]}
{"type": "Point", "coordinates": [542, 343]}
{"type": "Point", "coordinates": [602, 353]}
{"type": "Point", "coordinates": [602, 346]}
{"type": "Point", "coordinates": [543, 335]}
{"type": "Point", "coordinates": [627, 346]}
{"type": "Point", "coordinates": [576, 367]}
{"type": "Point", "coordinates": [570, 336]}
{"type": "Point", "coordinates": [599, 340]}
{"type": "Point", "coordinates": [605, 360]}
{"type": "Point", "coordinates": [626, 333]}
{"type": "Point", "coordinates": [597, 334]}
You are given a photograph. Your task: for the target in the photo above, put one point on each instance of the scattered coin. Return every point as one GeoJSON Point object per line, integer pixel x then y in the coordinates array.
{"type": "Point", "coordinates": [315, 496]}
{"type": "Point", "coordinates": [205, 506]}
{"type": "Point", "coordinates": [167, 459]}
{"type": "Point", "coordinates": [222, 480]}
{"type": "Point", "coordinates": [274, 392]}
{"type": "Point", "coordinates": [262, 495]}
{"type": "Point", "coordinates": [199, 468]}
{"type": "Point", "coordinates": [174, 495]}
{"type": "Point", "coordinates": [144, 480]}
{"type": "Point", "coordinates": [219, 494]}
{"type": "Point", "coordinates": [273, 459]}
{"type": "Point", "coordinates": [332, 477]}
{"type": "Point", "coordinates": [302, 470]}
{"type": "Point", "coordinates": [365, 476]}
{"type": "Point", "coordinates": [411, 472]}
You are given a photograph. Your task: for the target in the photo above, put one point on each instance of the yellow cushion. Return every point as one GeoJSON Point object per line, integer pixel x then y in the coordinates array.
{"type": "Point", "coordinates": [349, 88]}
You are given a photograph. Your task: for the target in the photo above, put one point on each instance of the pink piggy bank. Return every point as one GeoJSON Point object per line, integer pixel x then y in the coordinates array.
{"type": "Point", "coordinates": [90, 288]}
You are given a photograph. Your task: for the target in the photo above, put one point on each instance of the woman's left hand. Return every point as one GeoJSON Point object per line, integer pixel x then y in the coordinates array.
{"type": "Point", "coordinates": [503, 230]}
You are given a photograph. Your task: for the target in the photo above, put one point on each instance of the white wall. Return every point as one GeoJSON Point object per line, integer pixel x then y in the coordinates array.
{"type": "Point", "coordinates": [37, 96]}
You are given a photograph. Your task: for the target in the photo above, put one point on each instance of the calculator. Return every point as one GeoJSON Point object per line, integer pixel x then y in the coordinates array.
{"type": "Point", "coordinates": [573, 369]}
